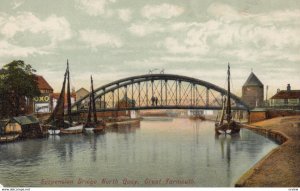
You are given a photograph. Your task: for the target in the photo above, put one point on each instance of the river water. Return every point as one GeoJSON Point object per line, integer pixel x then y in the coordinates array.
{"type": "Point", "coordinates": [176, 152]}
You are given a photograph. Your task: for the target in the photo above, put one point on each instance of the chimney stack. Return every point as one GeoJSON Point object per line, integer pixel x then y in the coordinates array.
{"type": "Point", "coordinates": [288, 88]}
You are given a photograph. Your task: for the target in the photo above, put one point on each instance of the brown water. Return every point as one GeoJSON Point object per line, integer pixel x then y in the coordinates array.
{"type": "Point", "coordinates": [180, 152]}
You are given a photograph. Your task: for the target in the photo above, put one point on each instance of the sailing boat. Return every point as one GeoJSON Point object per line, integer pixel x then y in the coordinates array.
{"type": "Point", "coordinates": [95, 126]}
{"type": "Point", "coordinates": [56, 120]}
{"type": "Point", "coordinates": [57, 123]}
{"type": "Point", "coordinates": [230, 126]}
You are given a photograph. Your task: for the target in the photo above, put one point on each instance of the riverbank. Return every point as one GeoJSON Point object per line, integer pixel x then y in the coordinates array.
{"type": "Point", "coordinates": [280, 168]}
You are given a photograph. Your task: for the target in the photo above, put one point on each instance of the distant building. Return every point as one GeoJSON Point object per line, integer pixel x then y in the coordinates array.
{"type": "Point", "coordinates": [43, 104]}
{"type": "Point", "coordinates": [253, 91]}
{"type": "Point", "coordinates": [40, 104]}
{"type": "Point", "coordinates": [286, 98]}
{"type": "Point", "coordinates": [125, 102]}
{"type": "Point", "coordinates": [81, 93]}
{"type": "Point", "coordinates": [55, 97]}
{"type": "Point", "coordinates": [100, 104]}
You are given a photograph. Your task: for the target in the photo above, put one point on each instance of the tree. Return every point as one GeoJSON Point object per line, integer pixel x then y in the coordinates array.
{"type": "Point", "coordinates": [17, 85]}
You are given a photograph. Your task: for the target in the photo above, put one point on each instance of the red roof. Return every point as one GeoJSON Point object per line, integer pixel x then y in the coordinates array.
{"type": "Point", "coordinates": [284, 94]}
{"type": "Point", "coordinates": [43, 84]}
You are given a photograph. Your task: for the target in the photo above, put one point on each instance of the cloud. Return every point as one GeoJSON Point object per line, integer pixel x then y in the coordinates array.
{"type": "Point", "coordinates": [10, 50]}
{"type": "Point", "coordinates": [101, 8]}
{"type": "Point", "coordinates": [49, 31]}
{"type": "Point", "coordinates": [174, 46]}
{"type": "Point", "coordinates": [57, 28]}
{"type": "Point", "coordinates": [146, 63]}
{"type": "Point", "coordinates": [17, 3]}
{"type": "Point", "coordinates": [254, 37]}
{"type": "Point", "coordinates": [95, 7]}
{"type": "Point", "coordinates": [94, 39]}
{"type": "Point", "coordinates": [181, 59]}
{"type": "Point", "coordinates": [145, 28]}
{"type": "Point", "coordinates": [125, 14]}
{"type": "Point", "coordinates": [279, 17]}
{"type": "Point", "coordinates": [224, 12]}
{"type": "Point", "coordinates": [227, 13]}
{"type": "Point", "coordinates": [164, 11]}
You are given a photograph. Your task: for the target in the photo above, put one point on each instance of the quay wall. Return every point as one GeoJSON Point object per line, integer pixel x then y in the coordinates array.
{"type": "Point", "coordinates": [280, 167]}
{"type": "Point", "coordinates": [274, 135]}
{"type": "Point", "coordinates": [256, 116]}
{"type": "Point", "coordinates": [281, 113]}
{"type": "Point", "coordinates": [277, 136]}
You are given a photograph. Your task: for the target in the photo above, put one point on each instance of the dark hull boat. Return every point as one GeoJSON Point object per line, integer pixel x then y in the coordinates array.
{"type": "Point", "coordinates": [229, 126]}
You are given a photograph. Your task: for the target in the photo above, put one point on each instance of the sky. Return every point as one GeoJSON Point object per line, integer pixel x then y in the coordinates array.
{"type": "Point", "coordinates": [114, 39]}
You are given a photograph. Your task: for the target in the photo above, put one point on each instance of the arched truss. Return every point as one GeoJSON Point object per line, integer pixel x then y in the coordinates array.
{"type": "Point", "coordinates": [171, 91]}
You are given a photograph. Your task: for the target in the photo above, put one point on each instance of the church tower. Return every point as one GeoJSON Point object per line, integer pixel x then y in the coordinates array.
{"type": "Point", "coordinates": [253, 91]}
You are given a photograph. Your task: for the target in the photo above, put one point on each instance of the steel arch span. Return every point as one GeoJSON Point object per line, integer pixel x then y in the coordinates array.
{"type": "Point", "coordinates": [158, 91]}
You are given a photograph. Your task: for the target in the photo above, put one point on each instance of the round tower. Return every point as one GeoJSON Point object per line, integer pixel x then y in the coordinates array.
{"type": "Point", "coordinates": [253, 91]}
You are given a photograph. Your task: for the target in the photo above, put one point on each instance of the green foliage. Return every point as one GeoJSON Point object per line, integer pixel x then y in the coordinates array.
{"type": "Point", "coordinates": [17, 85]}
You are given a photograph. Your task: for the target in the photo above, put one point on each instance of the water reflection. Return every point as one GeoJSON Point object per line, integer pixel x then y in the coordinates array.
{"type": "Point", "coordinates": [29, 154]}
{"type": "Point", "coordinates": [179, 148]}
{"type": "Point", "coordinates": [92, 140]}
{"type": "Point", "coordinates": [124, 128]}
{"type": "Point", "coordinates": [226, 142]}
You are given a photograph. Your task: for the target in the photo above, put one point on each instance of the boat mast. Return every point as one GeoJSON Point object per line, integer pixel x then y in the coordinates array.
{"type": "Point", "coordinates": [69, 95]}
{"type": "Point", "coordinates": [93, 101]}
{"type": "Point", "coordinates": [223, 110]}
{"type": "Point", "coordinates": [62, 99]}
{"type": "Point", "coordinates": [228, 108]}
{"type": "Point", "coordinates": [58, 112]}
{"type": "Point", "coordinates": [88, 121]}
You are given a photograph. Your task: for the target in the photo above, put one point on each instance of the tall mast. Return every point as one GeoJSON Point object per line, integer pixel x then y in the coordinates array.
{"type": "Point", "coordinates": [62, 99]}
{"type": "Point", "coordinates": [223, 110]}
{"type": "Point", "coordinates": [69, 94]}
{"type": "Point", "coordinates": [58, 112]}
{"type": "Point", "coordinates": [90, 111]}
{"type": "Point", "coordinates": [93, 101]}
{"type": "Point", "coordinates": [228, 108]}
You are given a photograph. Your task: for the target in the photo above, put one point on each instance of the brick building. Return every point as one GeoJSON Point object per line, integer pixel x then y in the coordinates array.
{"type": "Point", "coordinates": [43, 103]}
{"type": "Point", "coordinates": [253, 91]}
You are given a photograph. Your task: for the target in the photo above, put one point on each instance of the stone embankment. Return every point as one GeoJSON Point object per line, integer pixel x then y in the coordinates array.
{"type": "Point", "coordinates": [280, 168]}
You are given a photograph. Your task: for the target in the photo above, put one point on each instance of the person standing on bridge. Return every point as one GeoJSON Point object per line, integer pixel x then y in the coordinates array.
{"type": "Point", "coordinates": [152, 100]}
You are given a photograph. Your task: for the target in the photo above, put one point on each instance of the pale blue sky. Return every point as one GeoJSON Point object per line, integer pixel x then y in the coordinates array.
{"type": "Point", "coordinates": [113, 39]}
